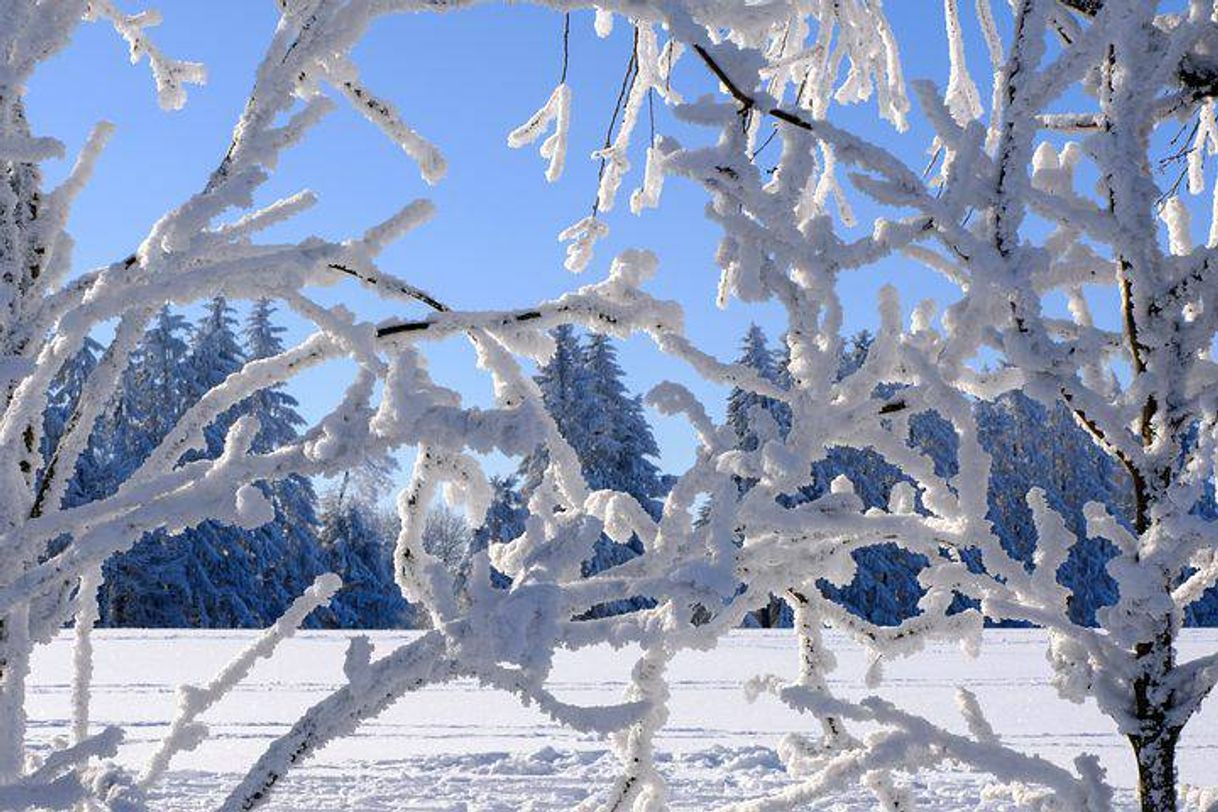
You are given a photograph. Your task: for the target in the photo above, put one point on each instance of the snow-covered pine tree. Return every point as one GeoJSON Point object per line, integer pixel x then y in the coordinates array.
{"type": "Point", "coordinates": [619, 452]}
{"type": "Point", "coordinates": [279, 421]}
{"type": "Point", "coordinates": [621, 448]}
{"type": "Point", "coordinates": [565, 385]}
{"type": "Point", "coordinates": [161, 381]}
{"type": "Point", "coordinates": [206, 576]}
{"type": "Point", "coordinates": [352, 543]}
{"type": "Point", "coordinates": [756, 353]}
{"type": "Point", "coordinates": [215, 353]}
{"type": "Point", "coordinates": [147, 585]}
{"type": "Point", "coordinates": [89, 478]}
{"type": "Point", "coordinates": [286, 548]}
{"type": "Point", "coordinates": [583, 390]}
{"type": "Point", "coordinates": [753, 417]}
{"type": "Point", "coordinates": [503, 522]}
{"type": "Point", "coordinates": [504, 518]}
{"type": "Point", "coordinates": [151, 398]}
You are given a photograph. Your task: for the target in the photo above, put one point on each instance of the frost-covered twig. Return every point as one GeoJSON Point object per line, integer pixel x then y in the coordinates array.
{"type": "Point", "coordinates": [185, 733]}
{"type": "Point", "coordinates": [409, 668]}
{"type": "Point", "coordinates": [82, 653]}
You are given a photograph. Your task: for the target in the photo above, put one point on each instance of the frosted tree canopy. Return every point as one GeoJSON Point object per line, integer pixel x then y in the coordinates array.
{"type": "Point", "coordinates": [1078, 281]}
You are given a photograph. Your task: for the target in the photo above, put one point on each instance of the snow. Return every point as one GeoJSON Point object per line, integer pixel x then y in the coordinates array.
{"type": "Point", "coordinates": [557, 109]}
{"type": "Point", "coordinates": [977, 221]}
{"type": "Point", "coordinates": [456, 743]}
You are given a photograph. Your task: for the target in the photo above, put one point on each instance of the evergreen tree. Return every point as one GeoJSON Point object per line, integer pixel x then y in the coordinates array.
{"type": "Point", "coordinates": [65, 392]}
{"type": "Point", "coordinates": [565, 386]}
{"type": "Point", "coordinates": [745, 407]}
{"type": "Point", "coordinates": [754, 417]}
{"type": "Point", "coordinates": [88, 480]}
{"type": "Point", "coordinates": [619, 449]}
{"type": "Point", "coordinates": [148, 585]}
{"type": "Point", "coordinates": [275, 409]}
{"type": "Point", "coordinates": [215, 353]}
{"type": "Point", "coordinates": [164, 351]}
{"type": "Point", "coordinates": [353, 547]}
{"type": "Point", "coordinates": [504, 517]}
{"type": "Point", "coordinates": [504, 521]}
{"type": "Point", "coordinates": [583, 390]}
{"type": "Point", "coordinates": [287, 549]}
{"type": "Point", "coordinates": [150, 399]}
{"type": "Point", "coordinates": [620, 443]}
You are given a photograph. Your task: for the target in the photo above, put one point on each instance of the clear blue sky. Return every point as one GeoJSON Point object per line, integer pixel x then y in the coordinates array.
{"type": "Point", "coordinates": [464, 80]}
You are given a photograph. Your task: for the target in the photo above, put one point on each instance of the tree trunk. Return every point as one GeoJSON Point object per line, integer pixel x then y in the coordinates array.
{"type": "Point", "coordinates": [1154, 745]}
{"type": "Point", "coordinates": [1156, 757]}
{"type": "Point", "coordinates": [15, 668]}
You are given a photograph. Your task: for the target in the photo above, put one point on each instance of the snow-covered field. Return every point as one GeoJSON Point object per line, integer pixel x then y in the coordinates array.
{"type": "Point", "coordinates": [460, 747]}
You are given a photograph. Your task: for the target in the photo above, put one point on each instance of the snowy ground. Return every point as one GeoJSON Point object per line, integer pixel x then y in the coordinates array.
{"type": "Point", "coordinates": [459, 747]}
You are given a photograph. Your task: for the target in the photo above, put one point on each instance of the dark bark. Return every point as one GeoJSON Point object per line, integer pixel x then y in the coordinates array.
{"type": "Point", "coordinates": [1156, 757]}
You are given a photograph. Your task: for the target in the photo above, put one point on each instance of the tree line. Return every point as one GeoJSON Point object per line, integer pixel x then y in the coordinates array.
{"type": "Point", "coordinates": [217, 575]}
{"type": "Point", "coordinates": [220, 576]}
{"type": "Point", "coordinates": [1032, 447]}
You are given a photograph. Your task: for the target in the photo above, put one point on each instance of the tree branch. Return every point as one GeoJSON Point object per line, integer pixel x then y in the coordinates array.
{"type": "Point", "coordinates": [1197, 73]}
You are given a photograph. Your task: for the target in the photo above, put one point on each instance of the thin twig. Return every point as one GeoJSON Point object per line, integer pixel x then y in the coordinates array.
{"type": "Point", "coordinates": [426, 324]}
{"type": "Point", "coordinates": [651, 115]}
{"type": "Point", "coordinates": [764, 144]}
{"type": "Point", "coordinates": [632, 70]}
{"type": "Point", "coordinates": [566, 47]}
{"type": "Point", "coordinates": [406, 290]}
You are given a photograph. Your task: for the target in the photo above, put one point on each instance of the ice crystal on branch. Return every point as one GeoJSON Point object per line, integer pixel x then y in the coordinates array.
{"type": "Point", "coordinates": [1000, 216]}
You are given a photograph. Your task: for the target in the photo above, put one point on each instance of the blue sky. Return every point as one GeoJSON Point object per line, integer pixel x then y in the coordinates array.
{"type": "Point", "coordinates": [464, 80]}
